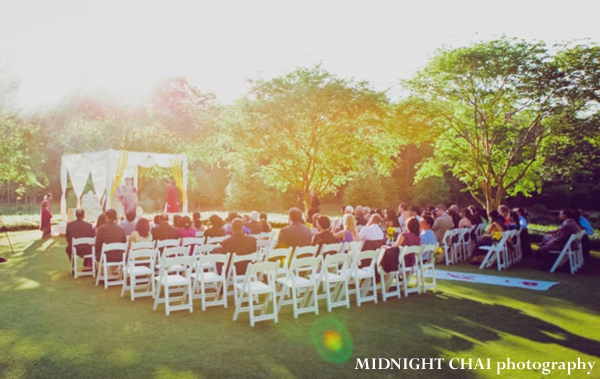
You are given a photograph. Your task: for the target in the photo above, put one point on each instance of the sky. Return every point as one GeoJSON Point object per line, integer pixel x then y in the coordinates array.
{"type": "Point", "coordinates": [123, 47]}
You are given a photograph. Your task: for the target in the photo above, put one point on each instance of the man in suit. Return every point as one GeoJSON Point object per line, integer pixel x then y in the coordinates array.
{"type": "Point", "coordinates": [239, 243]}
{"type": "Point", "coordinates": [110, 232]}
{"type": "Point", "coordinates": [556, 240]}
{"type": "Point", "coordinates": [295, 234]}
{"type": "Point", "coordinates": [442, 223]}
{"type": "Point", "coordinates": [164, 231]}
{"type": "Point", "coordinates": [79, 228]}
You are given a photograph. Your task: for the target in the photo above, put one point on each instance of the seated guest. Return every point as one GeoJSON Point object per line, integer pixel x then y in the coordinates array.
{"type": "Point", "coordinates": [454, 213]}
{"type": "Point", "coordinates": [513, 221]}
{"type": "Point", "coordinates": [372, 232]}
{"type": "Point", "coordinates": [403, 214]}
{"type": "Point", "coordinates": [296, 233]}
{"type": "Point", "coordinates": [389, 260]}
{"type": "Point", "coordinates": [254, 223]}
{"type": "Point", "coordinates": [177, 221]}
{"type": "Point", "coordinates": [230, 217]}
{"type": "Point", "coordinates": [110, 232]}
{"type": "Point", "coordinates": [186, 230]}
{"type": "Point", "coordinates": [215, 228]}
{"type": "Point", "coordinates": [390, 218]}
{"type": "Point", "coordinates": [238, 243]}
{"type": "Point", "coordinates": [359, 216]}
{"type": "Point", "coordinates": [155, 221]}
{"type": "Point", "coordinates": [323, 235]}
{"type": "Point", "coordinates": [313, 225]}
{"type": "Point", "coordinates": [465, 219]}
{"type": "Point", "coordinates": [198, 225]}
{"type": "Point", "coordinates": [556, 239]}
{"type": "Point", "coordinates": [101, 220]}
{"type": "Point", "coordinates": [496, 225]}
{"type": "Point", "coordinates": [265, 226]}
{"type": "Point", "coordinates": [589, 231]}
{"type": "Point", "coordinates": [79, 228]}
{"type": "Point", "coordinates": [427, 236]}
{"type": "Point", "coordinates": [525, 242]}
{"type": "Point", "coordinates": [141, 232]}
{"type": "Point", "coordinates": [366, 215]}
{"type": "Point", "coordinates": [128, 224]}
{"type": "Point", "coordinates": [442, 223]}
{"type": "Point", "coordinates": [349, 232]}
{"type": "Point", "coordinates": [504, 211]}
{"type": "Point", "coordinates": [164, 231]}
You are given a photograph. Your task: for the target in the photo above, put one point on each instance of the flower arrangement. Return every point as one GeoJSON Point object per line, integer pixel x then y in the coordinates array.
{"type": "Point", "coordinates": [496, 237]}
{"type": "Point", "coordinates": [391, 233]}
{"type": "Point", "coordinates": [309, 225]}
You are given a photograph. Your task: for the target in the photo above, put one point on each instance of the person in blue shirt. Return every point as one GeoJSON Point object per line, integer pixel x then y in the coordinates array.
{"type": "Point", "coordinates": [427, 236]}
{"type": "Point", "coordinates": [585, 241]}
{"type": "Point", "coordinates": [525, 243]}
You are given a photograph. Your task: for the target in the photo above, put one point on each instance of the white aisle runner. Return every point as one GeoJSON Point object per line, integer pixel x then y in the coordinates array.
{"type": "Point", "coordinates": [492, 279]}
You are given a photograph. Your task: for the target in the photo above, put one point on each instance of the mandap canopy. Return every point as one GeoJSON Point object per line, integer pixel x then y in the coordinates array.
{"type": "Point", "coordinates": [107, 169]}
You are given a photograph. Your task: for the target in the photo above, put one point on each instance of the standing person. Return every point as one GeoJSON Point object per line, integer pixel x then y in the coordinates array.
{"type": "Point", "coordinates": [315, 205]}
{"type": "Point", "coordinates": [77, 229]}
{"type": "Point", "coordinates": [127, 194]}
{"type": "Point", "coordinates": [171, 202]}
{"type": "Point", "coordinates": [46, 217]}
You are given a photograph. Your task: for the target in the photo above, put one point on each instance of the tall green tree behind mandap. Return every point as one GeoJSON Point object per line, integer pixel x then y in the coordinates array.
{"type": "Point", "coordinates": [492, 106]}
{"type": "Point", "coordinates": [310, 130]}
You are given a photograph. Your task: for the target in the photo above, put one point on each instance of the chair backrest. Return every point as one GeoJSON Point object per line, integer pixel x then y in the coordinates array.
{"type": "Point", "coordinates": [427, 252]}
{"type": "Point", "coordinates": [308, 265]}
{"type": "Point", "coordinates": [161, 244]}
{"type": "Point", "coordinates": [281, 255]}
{"type": "Point", "coordinates": [200, 234]}
{"type": "Point", "coordinates": [266, 235]}
{"type": "Point", "coordinates": [204, 249]}
{"type": "Point", "coordinates": [265, 267]}
{"type": "Point", "coordinates": [215, 240]}
{"type": "Point", "coordinates": [142, 256]}
{"type": "Point", "coordinates": [305, 251]}
{"type": "Point", "coordinates": [180, 261]}
{"type": "Point", "coordinates": [187, 241]}
{"type": "Point", "coordinates": [366, 258]}
{"type": "Point", "coordinates": [83, 241]}
{"type": "Point", "coordinates": [142, 245]}
{"type": "Point", "coordinates": [257, 236]}
{"type": "Point", "coordinates": [175, 251]}
{"type": "Point", "coordinates": [338, 262]}
{"type": "Point", "coordinates": [208, 259]}
{"type": "Point", "coordinates": [330, 248]}
{"type": "Point", "coordinates": [236, 260]}
{"type": "Point", "coordinates": [447, 239]}
{"type": "Point", "coordinates": [406, 250]}
{"type": "Point", "coordinates": [115, 246]}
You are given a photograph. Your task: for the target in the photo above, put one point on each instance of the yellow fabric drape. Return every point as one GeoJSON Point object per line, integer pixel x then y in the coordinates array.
{"type": "Point", "coordinates": [178, 176]}
{"type": "Point", "coordinates": [121, 164]}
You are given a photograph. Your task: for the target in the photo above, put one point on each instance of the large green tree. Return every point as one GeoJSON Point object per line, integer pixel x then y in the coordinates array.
{"type": "Point", "coordinates": [310, 130]}
{"type": "Point", "coordinates": [491, 106]}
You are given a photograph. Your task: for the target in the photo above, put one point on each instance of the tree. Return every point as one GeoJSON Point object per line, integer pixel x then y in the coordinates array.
{"type": "Point", "coordinates": [310, 130]}
{"type": "Point", "coordinates": [491, 107]}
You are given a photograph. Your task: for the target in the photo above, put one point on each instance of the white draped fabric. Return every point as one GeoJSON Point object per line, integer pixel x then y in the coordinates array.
{"type": "Point", "coordinates": [102, 166]}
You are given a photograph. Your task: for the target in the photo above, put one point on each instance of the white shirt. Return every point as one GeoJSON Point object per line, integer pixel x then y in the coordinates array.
{"type": "Point", "coordinates": [371, 232]}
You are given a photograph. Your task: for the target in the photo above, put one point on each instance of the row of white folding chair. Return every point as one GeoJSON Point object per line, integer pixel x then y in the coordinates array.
{"type": "Point", "coordinates": [424, 261]}
{"type": "Point", "coordinates": [572, 252]}
{"type": "Point", "coordinates": [458, 244]}
{"type": "Point", "coordinates": [499, 252]}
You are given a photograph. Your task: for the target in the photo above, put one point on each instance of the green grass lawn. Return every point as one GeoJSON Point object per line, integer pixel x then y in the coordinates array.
{"type": "Point", "coordinates": [54, 326]}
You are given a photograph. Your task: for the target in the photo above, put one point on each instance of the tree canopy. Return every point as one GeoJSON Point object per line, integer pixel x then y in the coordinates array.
{"type": "Point", "coordinates": [491, 106]}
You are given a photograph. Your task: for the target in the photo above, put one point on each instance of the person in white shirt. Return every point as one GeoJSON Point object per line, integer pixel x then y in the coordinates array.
{"type": "Point", "coordinates": [372, 231]}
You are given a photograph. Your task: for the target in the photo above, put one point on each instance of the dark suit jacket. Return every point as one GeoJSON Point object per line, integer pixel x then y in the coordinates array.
{"type": "Point", "coordinates": [164, 231]}
{"type": "Point", "coordinates": [241, 245]}
{"type": "Point", "coordinates": [324, 237]}
{"type": "Point", "coordinates": [79, 229]}
{"type": "Point", "coordinates": [296, 234]}
{"type": "Point", "coordinates": [110, 233]}
{"type": "Point", "coordinates": [214, 232]}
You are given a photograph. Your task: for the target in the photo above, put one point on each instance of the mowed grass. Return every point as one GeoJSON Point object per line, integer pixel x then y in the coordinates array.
{"type": "Point", "coordinates": [54, 326]}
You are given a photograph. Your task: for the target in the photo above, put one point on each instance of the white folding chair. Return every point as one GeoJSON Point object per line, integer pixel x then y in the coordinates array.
{"type": "Point", "coordinates": [426, 262]}
{"type": "Point", "coordinates": [496, 253]}
{"type": "Point", "coordinates": [305, 251]}
{"type": "Point", "coordinates": [200, 234]}
{"type": "Point", "coordinates": [139, 273]}
{"type": "Point", "coordinates": [302, 281]}
{"type": "Point", "coordinates": [77, 270]}
{"type": "Point", "coordinates": [330, 248]}
{"type": "Point", "coordinates": [114, 278]}
{"type": "Point", "coordinates": [212, 280]}
{"type": "Point", "coordinates": [162, 244]}
{"type": "Point", "coordinates": [407, 272]}
{"type": "Point", "coordinates": [192, 242]}
{"type": "Point", "coordinates": [448, 246]}
{"type": "Point", "coordinates": [363, 270]}
{"type": "Point", "coordinates": [334, 280]}
{"type": "Point", "coordinates": [251, 288]}
{"type": "Point", "coordinates": [281, 255]}
{"type": "Point", "coordinates": [233, 275]}
{"type": "Point", "coordinates": [389, 279]}
{"type": "Point", "coordinates": [177, 284]}
{"type": "Point", "coordinates": [464, 242]}
{"type": "Point", "coordinates": [568, 253]}
{"type": "Point", "coordinates": [142, 245]}
{"type": "Point", "coordinates": [266, 235]}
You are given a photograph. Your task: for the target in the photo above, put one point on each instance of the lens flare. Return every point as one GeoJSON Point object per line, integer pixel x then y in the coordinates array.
{"type": "Point", "coordinates": [332, 340]}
